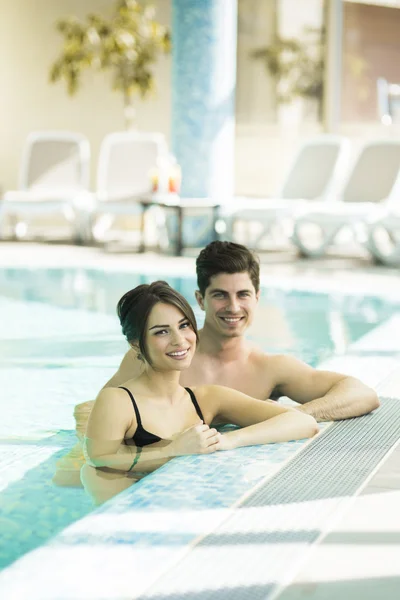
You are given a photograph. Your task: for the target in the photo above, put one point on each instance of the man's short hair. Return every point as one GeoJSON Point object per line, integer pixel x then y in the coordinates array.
{"type": "Point", "coordinates": [226, 257]}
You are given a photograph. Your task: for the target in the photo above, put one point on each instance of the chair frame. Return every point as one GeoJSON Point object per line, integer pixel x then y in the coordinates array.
{"type": "Point", "coordinates": [280, 210]}
{"type": "Point", "coordinates": [390, 223]}
{"type": "Point", "coordinates": [70, 205]}
{"type": "Point", "coordinates": [339, 213]}
{"type": "Point", "coordinates": [104, 210]}
{"type": "Point", "coordinates": [55, 136]}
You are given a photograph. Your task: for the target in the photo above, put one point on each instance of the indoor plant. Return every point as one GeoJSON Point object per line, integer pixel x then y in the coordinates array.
{"type": "Point", "coordinates": [127, 44]}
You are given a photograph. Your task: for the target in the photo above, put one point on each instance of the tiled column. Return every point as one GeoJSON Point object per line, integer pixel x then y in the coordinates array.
{"type": "Point", "coordinates": [203, 97]}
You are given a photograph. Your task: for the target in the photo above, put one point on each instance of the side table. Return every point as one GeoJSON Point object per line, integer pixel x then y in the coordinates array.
{"type": "Point", "coordinates": [175, 202]}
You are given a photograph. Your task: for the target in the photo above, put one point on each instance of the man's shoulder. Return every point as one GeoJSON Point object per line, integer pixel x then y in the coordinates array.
{"type": "Point", "coordinates": [278, 366]}
{"type": "Point", "coordinates": [276, 358]}
{"type": "Point", "coordinates": [259, 356]}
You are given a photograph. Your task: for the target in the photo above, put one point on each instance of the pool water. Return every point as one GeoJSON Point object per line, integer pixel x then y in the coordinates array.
{"type": "Point", "coordinates": [60, 342]}
{"type": "Point", "coordinates": [309, 325]}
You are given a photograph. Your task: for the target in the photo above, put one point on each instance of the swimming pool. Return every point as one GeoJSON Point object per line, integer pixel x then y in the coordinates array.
{"type": "Point", "coordinates": [60, 341]}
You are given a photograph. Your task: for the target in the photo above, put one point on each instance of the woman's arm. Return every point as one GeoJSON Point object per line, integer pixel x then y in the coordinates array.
{"type": "Point", "coordinates": [112, 416]}
{"type": "Point", "coordinates": [104, 445]}
{"type": "Point", "coordinates": [126, 458]}
{"type": "Point", "coordinates": [261, 422]}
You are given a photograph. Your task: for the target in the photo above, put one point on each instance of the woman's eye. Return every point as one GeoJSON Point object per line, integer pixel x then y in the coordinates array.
{"type": "Point", "coordinates": [161, 331]}
{"type": "Point", "coordinates": [184, 325]}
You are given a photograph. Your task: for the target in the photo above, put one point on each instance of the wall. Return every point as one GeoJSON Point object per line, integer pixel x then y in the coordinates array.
{"type": "Point", "coordinates": [29, 44]}
{"type": "Point", "coordinates": [371, 49]}
{"type": "Point", "coordinates": [267, 133]}
{"type": "Point", "coordinates": [255, 91]}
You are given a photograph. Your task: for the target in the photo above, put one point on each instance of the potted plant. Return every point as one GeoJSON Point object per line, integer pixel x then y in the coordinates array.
{"type": "Point", "coordinates": [297, 65]}
{"type": "Point", "coordinates": [127, 44]}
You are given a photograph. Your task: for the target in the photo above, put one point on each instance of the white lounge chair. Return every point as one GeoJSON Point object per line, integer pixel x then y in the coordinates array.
{"type": "Point", "coordinates": [388, 100]}
{"type": "Point", "coordinates": [313, 175]}
{"type": "Point", "coordinates": [382, 237]}
{"type": "Point", "coordinates": [54, 179]}
{"type": "Point", "coordinates": [371, 187]}
{"type": "Point", "coordinates": [125, 162]}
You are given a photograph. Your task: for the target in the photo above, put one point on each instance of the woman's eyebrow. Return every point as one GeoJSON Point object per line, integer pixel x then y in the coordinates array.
{"type": "Point", "coordinates": [179, 322]}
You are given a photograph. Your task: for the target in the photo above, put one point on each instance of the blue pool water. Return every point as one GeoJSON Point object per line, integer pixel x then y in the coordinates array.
{"type": "Point", "coordinates": [60, 342]}
{"type": "Point", "coordinates": [310, 325]}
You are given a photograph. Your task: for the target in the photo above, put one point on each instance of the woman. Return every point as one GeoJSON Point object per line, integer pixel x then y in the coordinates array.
{"type": "Point", "coordinates": [138, 427]}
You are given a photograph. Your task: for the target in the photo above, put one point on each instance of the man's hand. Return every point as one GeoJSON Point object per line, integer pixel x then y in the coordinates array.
{"type": "Point", "coordinates": [199, 439]}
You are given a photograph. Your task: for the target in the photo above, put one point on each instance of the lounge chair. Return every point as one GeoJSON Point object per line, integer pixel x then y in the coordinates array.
{"type": "Point", "coordinates": [388, 97]}
{"type": "Point", "coordinates": [382, 237]}
{"type": "Point", "coordinates": [54, 179]}
{"type": "Point", "coordinates": [312, 176]}
{"type": "Point", "coordinates": [126, 160]}
{"type": "Point", "coordinates": [371, 187]}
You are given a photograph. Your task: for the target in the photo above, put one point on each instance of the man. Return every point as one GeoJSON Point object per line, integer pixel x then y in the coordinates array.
{"type": "Point", "coordinates": [228, 277]}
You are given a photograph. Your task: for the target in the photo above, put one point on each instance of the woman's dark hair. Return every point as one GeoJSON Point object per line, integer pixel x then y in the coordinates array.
{"type": "Point", "coordinates": [226, 257]}
{"type": "Point", "coordinates": [135, 306]}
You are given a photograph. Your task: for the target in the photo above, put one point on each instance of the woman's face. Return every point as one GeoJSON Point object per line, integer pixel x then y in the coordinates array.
{"type": "Point", "coordinates": [169, 338]}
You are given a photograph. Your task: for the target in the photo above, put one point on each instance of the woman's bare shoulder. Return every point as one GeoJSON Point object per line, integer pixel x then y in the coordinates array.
{"type": "Point", "coordinates": [113, 396]}
{"type": "Point", "coordinates": [111, 415]}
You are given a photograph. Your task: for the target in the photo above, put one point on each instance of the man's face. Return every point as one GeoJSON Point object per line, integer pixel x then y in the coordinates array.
{"type": "Point", "coordinates": [229, 303]}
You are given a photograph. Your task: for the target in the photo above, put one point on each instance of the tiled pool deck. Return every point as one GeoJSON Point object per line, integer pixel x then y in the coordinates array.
{"type": "Point", "coordinates": [127, 548]}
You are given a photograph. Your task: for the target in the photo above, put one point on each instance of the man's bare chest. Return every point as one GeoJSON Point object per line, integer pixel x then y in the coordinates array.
{"type": "Point", "coordinates": [246, 378]}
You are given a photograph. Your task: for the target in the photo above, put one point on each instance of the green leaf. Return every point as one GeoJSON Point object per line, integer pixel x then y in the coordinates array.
{"type": "Point", "coordinates": [127, 43]}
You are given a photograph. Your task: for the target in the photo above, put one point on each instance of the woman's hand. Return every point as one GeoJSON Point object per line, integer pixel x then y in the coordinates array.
{"type": "Point", "coordinates": [199, 439]}
{"type": "Point", "coordinates": [225, 442]}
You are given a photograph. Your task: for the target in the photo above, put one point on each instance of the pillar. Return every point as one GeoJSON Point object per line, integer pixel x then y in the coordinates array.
{"type": "Point", "coordinates": [204, 34]}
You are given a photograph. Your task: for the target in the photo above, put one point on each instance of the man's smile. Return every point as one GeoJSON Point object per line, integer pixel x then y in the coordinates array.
{"type": "Point", "coordinates": [231, 320]}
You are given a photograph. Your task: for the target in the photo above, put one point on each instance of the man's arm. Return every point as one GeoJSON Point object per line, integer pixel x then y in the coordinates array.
{"type": "Point", "coordinates": [130, 368]}
{"type": "Point", "coordinates": [326, 395]}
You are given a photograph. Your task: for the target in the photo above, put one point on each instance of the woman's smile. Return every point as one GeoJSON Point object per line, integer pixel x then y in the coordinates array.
{"type": "Point", "coordinates": [178, 354]}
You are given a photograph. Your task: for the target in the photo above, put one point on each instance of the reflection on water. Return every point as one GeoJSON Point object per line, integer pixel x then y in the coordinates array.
{"type": "Point", "coordinates": [312, 326]}
{"type": "Point", "coordinates": [32, 509]}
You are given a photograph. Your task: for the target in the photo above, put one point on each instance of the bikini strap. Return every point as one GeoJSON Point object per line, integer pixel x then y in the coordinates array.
{"type": "Point", "coordinates": [195, 403]}
{"type": "Point", "coordinates": [138, 419]}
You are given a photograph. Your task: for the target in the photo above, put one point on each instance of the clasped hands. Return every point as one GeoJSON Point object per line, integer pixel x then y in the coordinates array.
{"type": "Point", "coordinates": [199, 439]}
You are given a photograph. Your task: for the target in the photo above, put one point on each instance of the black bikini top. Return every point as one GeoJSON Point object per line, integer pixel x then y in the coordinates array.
{"type": "Point", "coordinates": [142, 437]}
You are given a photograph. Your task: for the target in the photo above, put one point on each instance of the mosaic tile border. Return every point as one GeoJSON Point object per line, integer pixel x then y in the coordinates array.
{"type": "Point", "coordinates": [285, 515]}
{"type": "Point", "coordinates": [146, 525]}
{"type": "Point", "coordinates": [133, 541]}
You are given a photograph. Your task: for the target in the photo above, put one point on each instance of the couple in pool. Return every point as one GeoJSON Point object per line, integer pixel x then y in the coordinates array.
{"type": "Point", "coordinates": [175, 383]}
